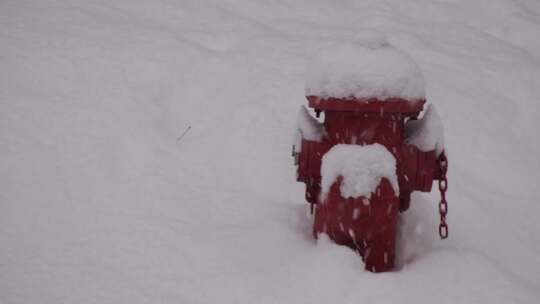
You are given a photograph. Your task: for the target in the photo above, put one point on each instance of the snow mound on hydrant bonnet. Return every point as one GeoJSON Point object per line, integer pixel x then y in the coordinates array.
{"type": "Point", "coordinates": [361, 167]}
{"type": "Point", "coordinates": [426, 134]}
{"type": "Point", "coordinates": [366, 68]}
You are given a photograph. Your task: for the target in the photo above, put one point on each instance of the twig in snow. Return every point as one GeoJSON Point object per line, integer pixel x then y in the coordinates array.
{"type": "Point", "coordinates": [181, 136]}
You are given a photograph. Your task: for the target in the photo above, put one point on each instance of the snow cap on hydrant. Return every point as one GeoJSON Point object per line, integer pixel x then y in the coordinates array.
{"type": "Point", "coordinates": [372, 149]}
{"type": "Point", "coordinates": [366, 68]}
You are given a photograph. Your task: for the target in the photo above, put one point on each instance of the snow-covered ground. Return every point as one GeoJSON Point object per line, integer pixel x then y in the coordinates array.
{"type": "Point", "coordinates": [100, 202]}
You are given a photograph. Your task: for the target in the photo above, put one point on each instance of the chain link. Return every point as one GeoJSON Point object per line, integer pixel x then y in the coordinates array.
{"type": "Point", "coordinates": [443, 205]}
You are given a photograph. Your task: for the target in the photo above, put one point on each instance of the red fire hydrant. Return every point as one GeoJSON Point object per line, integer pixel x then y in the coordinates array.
{"type": "Point", "coordinates": [361, 164]}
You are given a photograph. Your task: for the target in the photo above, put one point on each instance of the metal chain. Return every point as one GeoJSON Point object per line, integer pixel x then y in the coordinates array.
{"type": "Point", "coordinates": [443, 205]}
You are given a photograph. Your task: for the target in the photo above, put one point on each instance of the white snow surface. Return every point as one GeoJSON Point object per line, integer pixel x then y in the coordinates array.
{"type": "Point", "coordinates": [361, 167]}
{"type": "Point", "coordinates": [368, 67]}
{"type": "Point", "coordinates": [101, 203]}
{"type": "Point", "coordinates": [426, 133]}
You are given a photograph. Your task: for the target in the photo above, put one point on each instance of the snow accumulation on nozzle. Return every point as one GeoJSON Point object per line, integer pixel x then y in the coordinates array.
{"type": "Point", "coordinates": [361, 167]}
{"type": "Point", "coordinates": [427, 133]}
{"type": "Point", "coordinates": [369, 67]}
{"type": "Point", "coordinates": [307, 127]}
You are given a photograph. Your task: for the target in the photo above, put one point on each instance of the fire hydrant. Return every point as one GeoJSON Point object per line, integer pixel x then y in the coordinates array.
{"type": "Point", "coordinates": [361, 164]}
